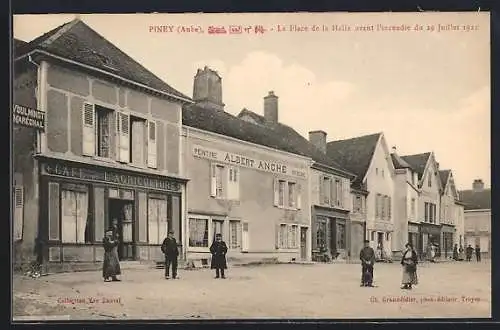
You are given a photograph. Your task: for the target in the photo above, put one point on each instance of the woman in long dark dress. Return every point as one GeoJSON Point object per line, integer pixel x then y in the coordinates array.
{"type": "Point", "coordinates": [111, 264]}
{"type": "Point", "coordinates": [409, 262]}
{"type": "Point", "coordinates": [218, 249]}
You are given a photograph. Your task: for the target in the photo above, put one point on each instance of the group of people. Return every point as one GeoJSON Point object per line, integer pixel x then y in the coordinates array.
{"type": "Point", "coordinates": [111, 265]}
{"type": "Point", "coordinates": [458, 253]}
{"type": "Point", "coordinates": [409, 263]}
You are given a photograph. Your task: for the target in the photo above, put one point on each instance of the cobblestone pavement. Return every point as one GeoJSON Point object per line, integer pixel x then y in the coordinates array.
{"type": "Point", "coordinates": [270, 291]}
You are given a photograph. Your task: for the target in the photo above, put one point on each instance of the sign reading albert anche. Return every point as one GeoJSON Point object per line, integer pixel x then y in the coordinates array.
{"type": "Point", "coordinates": [28, 117]}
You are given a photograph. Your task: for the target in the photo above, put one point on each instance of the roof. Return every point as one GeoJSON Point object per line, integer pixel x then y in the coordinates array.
{"type": "Point", "coordinates": [17, 44]}
{"type": "Point", "coordinates": [295, 141]}
{"type": "Point", "coordinates": [418, 162]}
{"type": "Point", "coordinates": [444, 175]}
{"type": "Point", "coordinates": [78, 42]}
{"type": "Point", "coordinates": [399, 162]}
{"type": "Point", "coordinates": [476, 199]}
{"type": "Point", "coordinates": [355, 154]}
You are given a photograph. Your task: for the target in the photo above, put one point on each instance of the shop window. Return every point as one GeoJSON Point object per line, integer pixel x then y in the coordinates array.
{"type": "Point", "coordinates": [127, 222]}
{"type": "Point", "coordinates": [198, 232]}
{"type": "Point", "coordinates": [157, 220]}
{"type": "Point", "coordinates": [321, 231]}
{"type": "Point", "coordinates": [234, 234]}
{"type": "Point", "coordinates": [75, 220]}
{"type": "Point", "coordinates": [137, 140]}
{"type": "Point", "coordinates": [18, 212]}
{"type": "Point", "coordinates": [341, 237]}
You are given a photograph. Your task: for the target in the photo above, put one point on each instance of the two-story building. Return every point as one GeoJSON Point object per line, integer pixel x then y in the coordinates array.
{"type": "Point", "coordinates": [329, 192]}
{"type": "Point", "coordinates": [246, 182]}
{"type": "Point", "coordinates": [406, 198]}
{"type": "Point", "coordinates": [477, 216]}
{"type": "Point", "coordinates": [110, 150]}
{"type": "Point", "coordinates": [429, 202]}
{"type": "Point", "coordinates": [369, 159]}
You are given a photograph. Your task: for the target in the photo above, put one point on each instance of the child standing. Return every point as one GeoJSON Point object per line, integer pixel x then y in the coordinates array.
{"type": "Point", "coordinates": [218, 249]}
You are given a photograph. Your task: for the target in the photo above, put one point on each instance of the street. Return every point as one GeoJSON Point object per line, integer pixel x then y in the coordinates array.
{"type": "Point", "coordinates": [448, 289]}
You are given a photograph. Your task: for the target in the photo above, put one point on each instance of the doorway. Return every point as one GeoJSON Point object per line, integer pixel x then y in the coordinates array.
{"type": "Point", "coordinates": [303, 243]}
{"type": "Point", "coordinates": [123, 212]}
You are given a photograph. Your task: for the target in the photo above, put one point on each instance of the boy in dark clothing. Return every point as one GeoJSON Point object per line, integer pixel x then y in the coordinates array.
{"type": "Point", "coordinates": [468, 252]}
{"type": "Point", "coordinates": [478, 253]}
{"type": "Point", "coordinates": [169, 248]}
{"type": "Point", "coordinates": [218, 249]}
{"type": "Point", "coordinates": [367, 257]}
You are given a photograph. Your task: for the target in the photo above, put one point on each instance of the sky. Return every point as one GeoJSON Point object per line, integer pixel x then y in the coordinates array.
{"type": "Point", "coordinates": [423, 79]}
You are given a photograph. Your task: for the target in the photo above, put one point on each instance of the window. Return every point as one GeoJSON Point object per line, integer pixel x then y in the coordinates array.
{"type": "Point", "coordinates": [412, 206]}
{"type": "Point", "coordinates": [157, 220]}
{"type": "Point", "coordinates": [127, 223]}
{"type": "Point", "coordinates": [429, 180]}
{"type": "Point", "coordinates": [283, 237]}
{"type": "Point", "coordinates": [327, 188]}
{"type": "Point", "coordinates": [373, 236]}
{"type": "Point", "coordinates": [18, 212]}
{"type": "Point", "coordinates": [218, 228]}
{"type": "Point", "coordinates": [288, 236]}
{"type": "Point", "coordinates": [287, 194]}
{"type": "Point", "coordinates": [291, 194]}
{"type": "Point", "coordinates": [338, 193]}
{"type": "Point", "coordinates": [123, 137]}
{"type": "Point", "coordinates": [383, 205]}
{"type": "Point", "coordinates": [103, 134]}
{"type": "Point", "coordinates": [341, 242]}
{"type": "Point", "coordinates": [321, 232]}
{"type": "Point", "coordinates": [234, 234]}
{"type": "Point", "coordinates": [198, 232]}
{"type": "Point", "coordinates": [292, 239]}
{"type": "Point", "coordinates": [152, 149]}
{"type": "Point", "coordinates": [357, 204]}
{"type": "Point", "coordinates": [233, 188]}
{"type": "Point", "coordinates": [383, 173]}
{"type": "Point", "coordinates": [412, 178]}
{"type": "Point", "coordinates": [74, 210]}
{"type": "Point", "coordinates": [225, 182]}
{"type": "Point", "coordinates": [137, 141]}
{"type": "Point", "coordinates": [217, 184]}
{"type": "Point", "coordinates": [387, 236]}
{"type": "Point", "coordinates": [89, 130]}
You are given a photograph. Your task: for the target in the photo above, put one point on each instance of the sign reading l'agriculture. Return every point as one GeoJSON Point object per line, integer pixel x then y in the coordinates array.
{"type": "Point", "coordinates": [25, 116]}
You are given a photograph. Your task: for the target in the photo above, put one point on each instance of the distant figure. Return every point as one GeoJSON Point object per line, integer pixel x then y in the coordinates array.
{"type": "Point", "coordinates": [111, 264]}
{"type": "Point", "coordinates": [455, 252]}
{"type": "Point", "coordinates": [367, 257]}
{"type": "Point", "coordinates": [461, 253]}
{"type": "Point", "coordinates": [409, 262]}
{"type": "Point", "coordinates": [468, 252]}
{"type": "Point", "coordinates": [218, 249]}
{"type": "Point", "coordinates": [478, 253]}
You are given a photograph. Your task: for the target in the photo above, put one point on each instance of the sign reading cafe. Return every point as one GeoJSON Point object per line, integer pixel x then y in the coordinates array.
{"type": "Point", "coordinates": [244, 161]}
{"type": "Point", "coordinates": [25, 116]}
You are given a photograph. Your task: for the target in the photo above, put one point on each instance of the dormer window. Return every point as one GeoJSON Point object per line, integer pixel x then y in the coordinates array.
{"type": "Point", "coordinates": [105, 61]}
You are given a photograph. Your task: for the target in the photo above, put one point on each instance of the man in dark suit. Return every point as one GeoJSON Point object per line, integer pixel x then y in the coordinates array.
{"type": "Point", "coordinates": [478, 253]}
{"type": "Point", "coordinates": [367, 257]}
{"type": "Point", "coordinates": [171, 251]}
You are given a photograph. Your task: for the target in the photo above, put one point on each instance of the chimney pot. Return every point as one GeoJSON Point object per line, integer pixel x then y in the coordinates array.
{"type": "Point", "coordinates": [318, 139]}
{"type": "Point", "coordinates": [394, 149]}
{"type": "Point", "coordinates": [478, 185]}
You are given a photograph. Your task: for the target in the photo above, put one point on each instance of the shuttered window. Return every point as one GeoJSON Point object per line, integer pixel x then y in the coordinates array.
{"type": "Point", "coordinates": [18, 212]}
{"type": "Point", "coordinates": [123, 137]}
{"type": "Point", "coordinates": [152, 145]}
{"type": "Point", "coordinates": [89, 131]}
{"type": "Point", "coordinates": [54, 202]}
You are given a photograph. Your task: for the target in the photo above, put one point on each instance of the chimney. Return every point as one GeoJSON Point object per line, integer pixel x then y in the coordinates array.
{"type": "Point", "coordinates": [478, 185]}
{"type": "Point", "coordinates": [207, 89]}
{"type": "Point", "coordinates": [318, 139]}
{"type": "Point", "coordinates": [394, 149]}
{"type": "Point", "coordinates": [437, 165]}
{"type": "Point", "coordinates": [271, 107]}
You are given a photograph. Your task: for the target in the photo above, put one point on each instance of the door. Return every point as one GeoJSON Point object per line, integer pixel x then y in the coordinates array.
{"type": "Point", "coordinates": [303, 243]}
{"type": "Point", "coordinates": [123, 212]}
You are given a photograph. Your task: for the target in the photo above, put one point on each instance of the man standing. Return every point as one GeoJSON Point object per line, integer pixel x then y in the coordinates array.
{"type": "Point", "coordinates": [468, 252]}
{"type": "Point", "coordinates": [218, 249]}
{"type": "Point", "coordinates": [169, 248]}
{"type": "Point", "coordinates": [478, 253]}
{"type": "Point", "coordinates": [367, 257]}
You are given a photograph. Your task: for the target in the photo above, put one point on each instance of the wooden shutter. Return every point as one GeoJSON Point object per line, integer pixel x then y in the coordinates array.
{"type": "Point", "coordinates": [333, 192]}
{"type": "Point", "coordinates": [277, 235]}
{"type": "Point", "coordinates": [123, 130]}
{"type": "Point", "coordinates": [276, 192]}
{"type": "Point", "coordinates": [54, 201]}
{"type": "Point", "coordinates": [152, 146]}
{"type": "Point", "coordinates": [89, 129]}
{"type": "Point", "coordinates": [321, 190]}
{"type": "Point", "coordinates": [213, 180]}
{"type": "Point", "coordinates": [18, 212]}
{"type": "Point", "coordinates": [346, 191]}
{"type": "Point", "coordinates": [298, 196]}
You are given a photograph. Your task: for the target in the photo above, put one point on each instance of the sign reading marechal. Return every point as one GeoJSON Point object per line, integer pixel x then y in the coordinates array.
{"type": "Point", "coordinates": [244, 161]}
{"type": "Point", "coordinates": [28, 117]}
{"type": "Point", "coordinates": [108, 176]}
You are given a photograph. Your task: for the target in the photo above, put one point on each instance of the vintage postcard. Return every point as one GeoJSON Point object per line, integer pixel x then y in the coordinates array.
{"type": "Point", "coordinates": [251, 166]}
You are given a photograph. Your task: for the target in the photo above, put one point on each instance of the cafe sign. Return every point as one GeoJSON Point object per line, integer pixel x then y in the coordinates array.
{"type": "Point", "coordinates": [107, 176]}
{"type": "Point", "coordinates": [28, 117]}
{"type": "Point", "coordinates": [249, 162]}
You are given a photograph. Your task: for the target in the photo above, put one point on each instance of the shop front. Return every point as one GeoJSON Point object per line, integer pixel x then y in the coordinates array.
{"type": "Point", "coordinates": [448, 232]}
{"type": "Point", "coordinates": [78, 202]}
{"type": "Point", "coordinates": [430, 234]}
{"type": "Point", "coordinates": [330, 236]}
{"type": "Point", "coordinates": [413, 236]}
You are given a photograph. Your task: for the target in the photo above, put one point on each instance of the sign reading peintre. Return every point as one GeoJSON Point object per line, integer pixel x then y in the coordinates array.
{"type": "Point", "coordinates": [28, 117]}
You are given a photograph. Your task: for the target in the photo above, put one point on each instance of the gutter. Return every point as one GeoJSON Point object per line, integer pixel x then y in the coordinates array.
{"type": "Point", "coordinates": [185, 100]}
